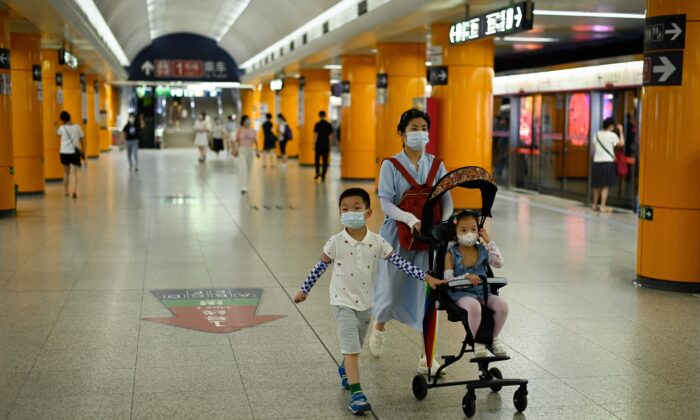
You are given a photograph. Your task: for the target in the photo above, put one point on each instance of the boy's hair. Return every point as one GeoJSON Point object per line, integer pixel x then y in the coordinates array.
{"type": "Point", "coordinates": [322, 114]}
{"type": "Point", "coordinates": [355, 192]}
{"type": "Point", "coordinates": [65, 116]}
{"type": "Point", "coordinates": [268, 116]}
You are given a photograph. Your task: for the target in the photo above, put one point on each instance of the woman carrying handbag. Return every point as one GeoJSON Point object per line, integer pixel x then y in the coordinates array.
{"type": "Point", "coordinates": [71, 152]}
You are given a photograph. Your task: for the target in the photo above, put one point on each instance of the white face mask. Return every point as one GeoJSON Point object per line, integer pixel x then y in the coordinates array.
{"type": "Point", "coordinates": [353, 219]}
{"type": "Point", "coordinates": [417, 140]}
{"type": "Point", "coordinates": [132, 120]}
{"type": "Point", "coordinates": [468, 239]}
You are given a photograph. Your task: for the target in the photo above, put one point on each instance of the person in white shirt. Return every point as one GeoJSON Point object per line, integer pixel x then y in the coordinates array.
{"type": "Point", "coordinates": [71, 151]}
{"type": "Point", "coordinates": [201, 136]}
{"type": "Point", "coordinates": [355, 253]}
{"type": "Point", "coordinates": [604, 170]}
{"type": "Point", "coordinates": [231, 128]}
{"type": "Point", "coordinates": [217, 136]}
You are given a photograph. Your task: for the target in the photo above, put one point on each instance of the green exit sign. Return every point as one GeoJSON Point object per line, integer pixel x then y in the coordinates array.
{"type": "Point", "coordinates": [646, 213]}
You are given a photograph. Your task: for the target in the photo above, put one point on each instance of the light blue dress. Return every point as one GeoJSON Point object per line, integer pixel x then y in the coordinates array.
{"type": "Point", "coordinates": [398, 296]}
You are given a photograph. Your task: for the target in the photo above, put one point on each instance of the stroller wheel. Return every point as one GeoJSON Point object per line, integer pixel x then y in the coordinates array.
{"type": "Point", "coordinates": [420, 387]}
{"type": "Point", "coordinates": [520, 399]}
{"type": "Point", "coordinates": [496, 373]}
{"type": "Point", "coordinates": [469, 404]}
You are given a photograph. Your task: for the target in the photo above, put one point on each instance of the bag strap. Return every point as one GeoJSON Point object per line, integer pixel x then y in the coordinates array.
{"type": "Point", "coordinates": [604, 148]}
{"type": "Point", "coordinates": [65, 129]}
{"type": "Point", "coordinates": [433, 171]}
{"type": "Point", "coordinates": [404, 172]}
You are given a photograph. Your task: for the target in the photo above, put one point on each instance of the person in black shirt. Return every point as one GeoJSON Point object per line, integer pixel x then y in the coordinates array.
{"type": "Point", "coordinates": [131, 132]}
{"type": "Point", "coordinates": [270, 141]}
{"type": "Point", "coordinates": [323, 132]}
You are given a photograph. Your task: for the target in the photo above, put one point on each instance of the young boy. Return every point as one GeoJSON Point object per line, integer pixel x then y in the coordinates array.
{"type": "Point", "coordinates": [355, 253]}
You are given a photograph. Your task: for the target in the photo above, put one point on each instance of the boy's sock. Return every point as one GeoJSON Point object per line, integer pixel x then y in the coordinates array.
{"type": "Point", "coordinates": [355, 390]}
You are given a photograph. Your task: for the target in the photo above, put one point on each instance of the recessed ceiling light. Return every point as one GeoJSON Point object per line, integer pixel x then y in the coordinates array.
{"type": "Point", "coordinates": [332, 67]}
{"type": "Point", "coordinates": [589, 14]}
{"type": "Point", "coordinates": [93, 15]}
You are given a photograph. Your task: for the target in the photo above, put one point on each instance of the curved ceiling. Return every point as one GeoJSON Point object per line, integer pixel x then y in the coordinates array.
{"type": "Point", "coordinates": [261, 24]}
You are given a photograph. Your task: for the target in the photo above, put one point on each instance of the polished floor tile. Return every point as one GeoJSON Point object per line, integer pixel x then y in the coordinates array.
{"type": "Point", "coordinates": [76, 278]}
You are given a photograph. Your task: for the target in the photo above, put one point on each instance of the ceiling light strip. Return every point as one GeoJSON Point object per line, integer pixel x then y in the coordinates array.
{"type": "Point", "coordinates": [572, 13]}
{"type": "Point", "coordinates": [231, 11]}
{"type": "Point", "coordinates": [92, 13]}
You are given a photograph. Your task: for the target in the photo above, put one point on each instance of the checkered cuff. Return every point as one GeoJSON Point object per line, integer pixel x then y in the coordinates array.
{"type": "Point", "coordinates": [407, 267]}
{"type": "Point", "coordinates": [313, 277]}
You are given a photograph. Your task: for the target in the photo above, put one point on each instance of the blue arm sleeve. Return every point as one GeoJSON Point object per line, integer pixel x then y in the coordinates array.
{"type": "Point", "coordinates": [406, 267]}
{"type": "Point", "coordinates": [313, 277]}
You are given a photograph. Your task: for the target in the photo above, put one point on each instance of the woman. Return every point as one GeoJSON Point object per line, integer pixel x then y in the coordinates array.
{"type": "Point", "coordinates": [71, 146]}
{"type": "Point", "coordinates": [217, 136]}
{"type": "Point", "coordinates": [396, 296]}
{"type": "Point", "coordinates": [283, 137]}
{"type": "Point", "coordinates": [247, 146]}
{"type": "Point", "coordinates": [269, 142]}
{"type": "Point", "coordinates": [231, 128]}
{"type": "Point", "coordinates": [201, 136]}
{"type": "Point", "coordinates": [604, 172]}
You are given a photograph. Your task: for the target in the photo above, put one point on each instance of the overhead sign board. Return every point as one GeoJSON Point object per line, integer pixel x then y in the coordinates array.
{"type": "Point", "coordinates": [67, 58]}
{"type": "Point", "coordinates": [517, 17]}
{"type": "Point", "coordinates": [437, 75]}
{"type": "Point", "coordinates": [664, 33]}
{"type": "Point", "coordinates": [663, 68]}
{"type": "Point", "coordinates": [382, 85]}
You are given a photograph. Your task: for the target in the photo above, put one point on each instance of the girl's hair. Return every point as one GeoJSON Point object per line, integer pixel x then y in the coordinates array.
{"type": "Point", "coordinates": [407, 116]}
{"type": "Point", "coordinates": [608, 122]}
{"type": "Point", "coordinates": [464, 214]}
{"type": "Point", "coordinates": [281, 117]}
{"type": "Point", "coordinates": [244, 119]}
{"type": "Point", "coordinates": [65, 116]}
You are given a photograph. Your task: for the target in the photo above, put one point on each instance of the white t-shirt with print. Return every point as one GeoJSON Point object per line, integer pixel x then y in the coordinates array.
{"type": "Point", "coordinates": [609, 140]}
{"type": "Point", "coordinates": [70, 137]}
{"type": "Point", "coordinates": [355, 268]}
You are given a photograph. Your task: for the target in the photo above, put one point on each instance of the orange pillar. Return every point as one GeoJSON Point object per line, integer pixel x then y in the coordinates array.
{"type": "Point", "coordinates": [7, 177]}
{"type": "Point", "coordinates": [113, 107]}
{"type": "Point", "coordinates": [92, 132]}
{"type": "Point", "coordinates": [404, 65]}
{"type": "Point", "coordinates": [105, 98]}
{"type": "Point", "coordinates": [466, 108]}
{"type": "Point", "coordinates": [267, 105]}
{"type": "Point", "coordinates": [316, 97]}
{"type": "Point", "coordinates": [247, 102]}
{"type": "Point", "coordinates": [53, 170]}
{"type": "Point", "coordinates": [71, 95]}
{"type": "Point", "coordinates": [358, 118]}
{"type": "Point", "coordinates": [667, 242]}
{"type": "Point", "coordinates": [289, 102]}
{"type": "Point", "coordinates": [27, 135]}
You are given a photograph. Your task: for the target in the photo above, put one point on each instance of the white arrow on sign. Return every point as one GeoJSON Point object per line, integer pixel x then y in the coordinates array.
{"type": "Point", "coordinates": [36, 72]}
{"type": "Point", "coordinates": [666, 69]}
{"type": "Point", "coordinates": [518, 16]}
{"type": "Point", "coordinates": [3, 58]}
{"type": "Point", "coordinates": [147, 67]}
{"type": "Point", "coordinates": [442, 75]}
{"type": "Point", "coordinates": [676, 31]}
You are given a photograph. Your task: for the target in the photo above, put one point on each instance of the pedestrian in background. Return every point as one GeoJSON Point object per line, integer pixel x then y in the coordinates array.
{"type": "Point", "coordinates": [201, 137]}
{"type": "Point", "coordinates": [269, 143]}
{"type": "Point", "coordinates": [247, 146]}
{"type": "Point", "coordinates": [71, 151]}
{"type": "Point", "coordinates": [323, 133]}
{"type": "Point", "coordinates": [132, 136]}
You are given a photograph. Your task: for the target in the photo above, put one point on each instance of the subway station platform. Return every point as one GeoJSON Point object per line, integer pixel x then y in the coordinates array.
{"type": "Point", "coordinates": [87, 286]}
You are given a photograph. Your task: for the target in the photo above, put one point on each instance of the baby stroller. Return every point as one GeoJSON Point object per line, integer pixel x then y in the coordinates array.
{"type": "Point", "coordinates": [438, 236]}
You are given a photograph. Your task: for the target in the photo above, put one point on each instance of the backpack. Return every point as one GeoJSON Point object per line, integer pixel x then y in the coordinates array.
{"type": "Point", "coordinates": [413, 202]}
{"type": "Point", "coordinates": [287, 132]}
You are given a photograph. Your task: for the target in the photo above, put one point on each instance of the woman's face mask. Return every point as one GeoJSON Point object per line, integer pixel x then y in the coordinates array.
{"type": "Point", "coordinates": [468, 239]}
{"type": "Point", "coordinates": [417, 140]}
{"type": "Point", "coordinates": [353, 219]}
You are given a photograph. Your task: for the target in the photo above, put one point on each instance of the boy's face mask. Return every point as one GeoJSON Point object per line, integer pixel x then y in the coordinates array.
{"type": "Point", "coordinates": [353, 219]}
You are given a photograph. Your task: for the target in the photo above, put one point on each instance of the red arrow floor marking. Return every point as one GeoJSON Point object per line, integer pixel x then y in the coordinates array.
{"type": "Point", "coordinates": [215, 319]}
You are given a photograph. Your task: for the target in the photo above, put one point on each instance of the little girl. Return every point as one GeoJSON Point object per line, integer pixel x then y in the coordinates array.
{"type": "Point", "coordinates": [468, 259]}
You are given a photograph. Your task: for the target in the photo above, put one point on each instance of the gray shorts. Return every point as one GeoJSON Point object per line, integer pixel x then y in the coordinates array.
{"type": "Point", "coordinates": [352, 328]}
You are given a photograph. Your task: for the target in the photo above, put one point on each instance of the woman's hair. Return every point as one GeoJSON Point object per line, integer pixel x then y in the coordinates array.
{"type": "Point", "coordinates": [281, 117]}
{"type": "Point", "coordinates": [407, 116]}
{"type": "Point", "coordinates": [268, 116]}
{"type": "Point", "coordinates": [608, 122]}
{"type": "Point", "coordinates": [65, 116]}
{"type": "Point", "coordinates": [244, 119]}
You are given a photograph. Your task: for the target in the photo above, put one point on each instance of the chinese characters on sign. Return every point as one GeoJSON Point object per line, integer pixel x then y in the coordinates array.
{"type": "Point", "coordinates": [187, 69]}
{"type": "Point", "coordinates": [514, 18]}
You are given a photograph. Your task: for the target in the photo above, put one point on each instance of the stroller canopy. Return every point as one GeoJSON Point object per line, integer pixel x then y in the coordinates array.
{"type": "Point", "coordinates": [471, 177]}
